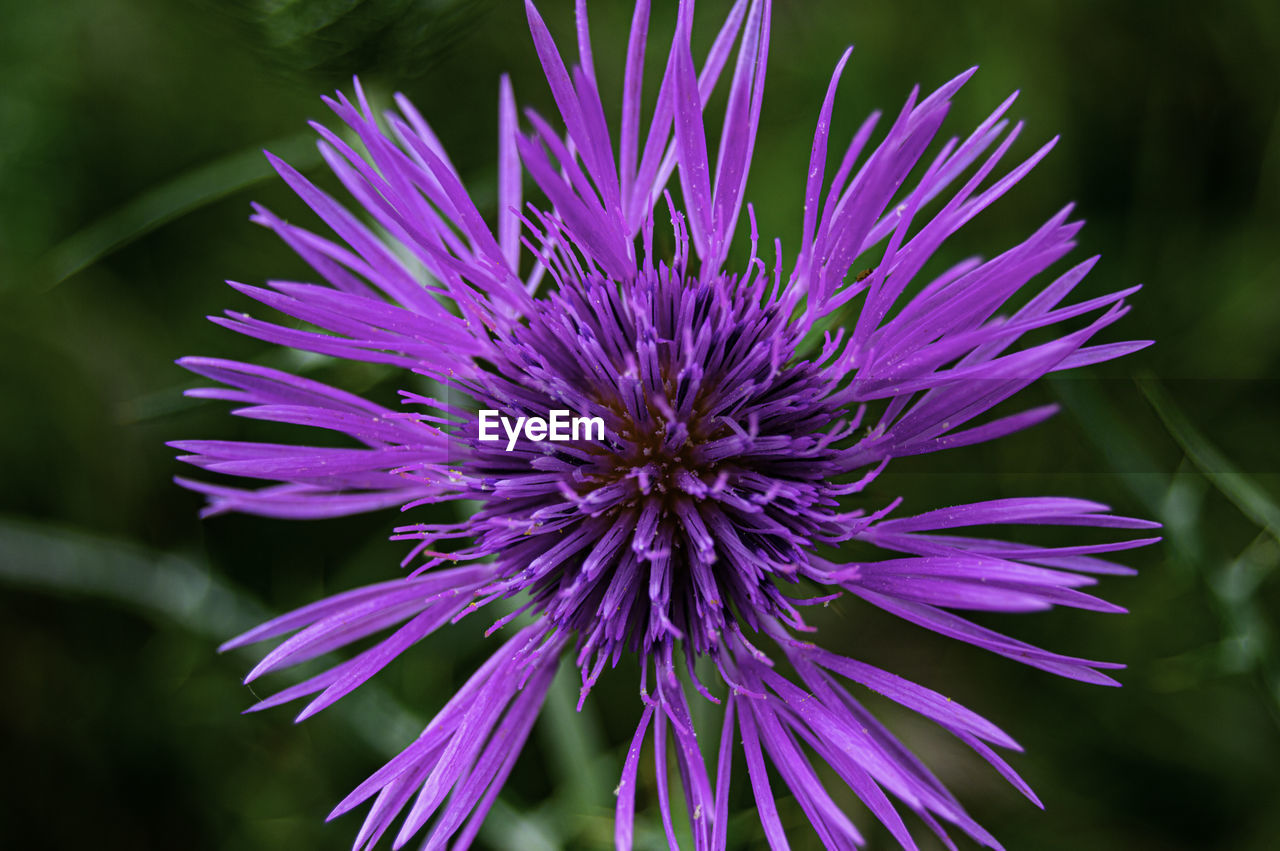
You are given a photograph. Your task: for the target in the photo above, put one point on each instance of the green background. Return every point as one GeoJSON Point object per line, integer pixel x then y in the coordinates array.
{"type": "Point", "coordinates": [130, 133]}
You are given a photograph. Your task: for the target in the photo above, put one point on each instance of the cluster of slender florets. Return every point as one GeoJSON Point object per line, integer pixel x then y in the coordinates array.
{"type": "Point", "coordinates": [718, 471]}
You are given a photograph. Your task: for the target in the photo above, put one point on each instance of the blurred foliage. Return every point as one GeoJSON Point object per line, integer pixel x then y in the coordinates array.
{"type": "Point", "coordinates": [128, 139]}
{"type": "Point", "coordinates": [315, 39]}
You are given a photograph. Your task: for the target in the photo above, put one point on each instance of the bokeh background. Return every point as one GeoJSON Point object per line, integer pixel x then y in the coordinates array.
{"type": "Point", "coordinates": [130, 138]}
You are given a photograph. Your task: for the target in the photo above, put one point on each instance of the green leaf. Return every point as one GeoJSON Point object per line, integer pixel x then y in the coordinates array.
{"type": "Point", "coordinates": [573, 738]}
{"type": "Point", "coordinates": [507, 828]}
{"type": "Point", "coordinates": [174, 199]}
{"type": "Point", "coordinates": [1243, 492]}
{"type": "Point", "coordinates": [1123, 449]}
{"type": "Point", "coordinates": [181, 590]}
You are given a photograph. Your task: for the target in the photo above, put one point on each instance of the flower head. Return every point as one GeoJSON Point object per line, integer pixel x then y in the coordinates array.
{"type": "Point", "coordinates": [740, 417]}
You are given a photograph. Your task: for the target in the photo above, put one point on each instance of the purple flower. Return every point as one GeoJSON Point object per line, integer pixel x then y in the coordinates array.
{"type": "Point", "coordinates": [739, 420]}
